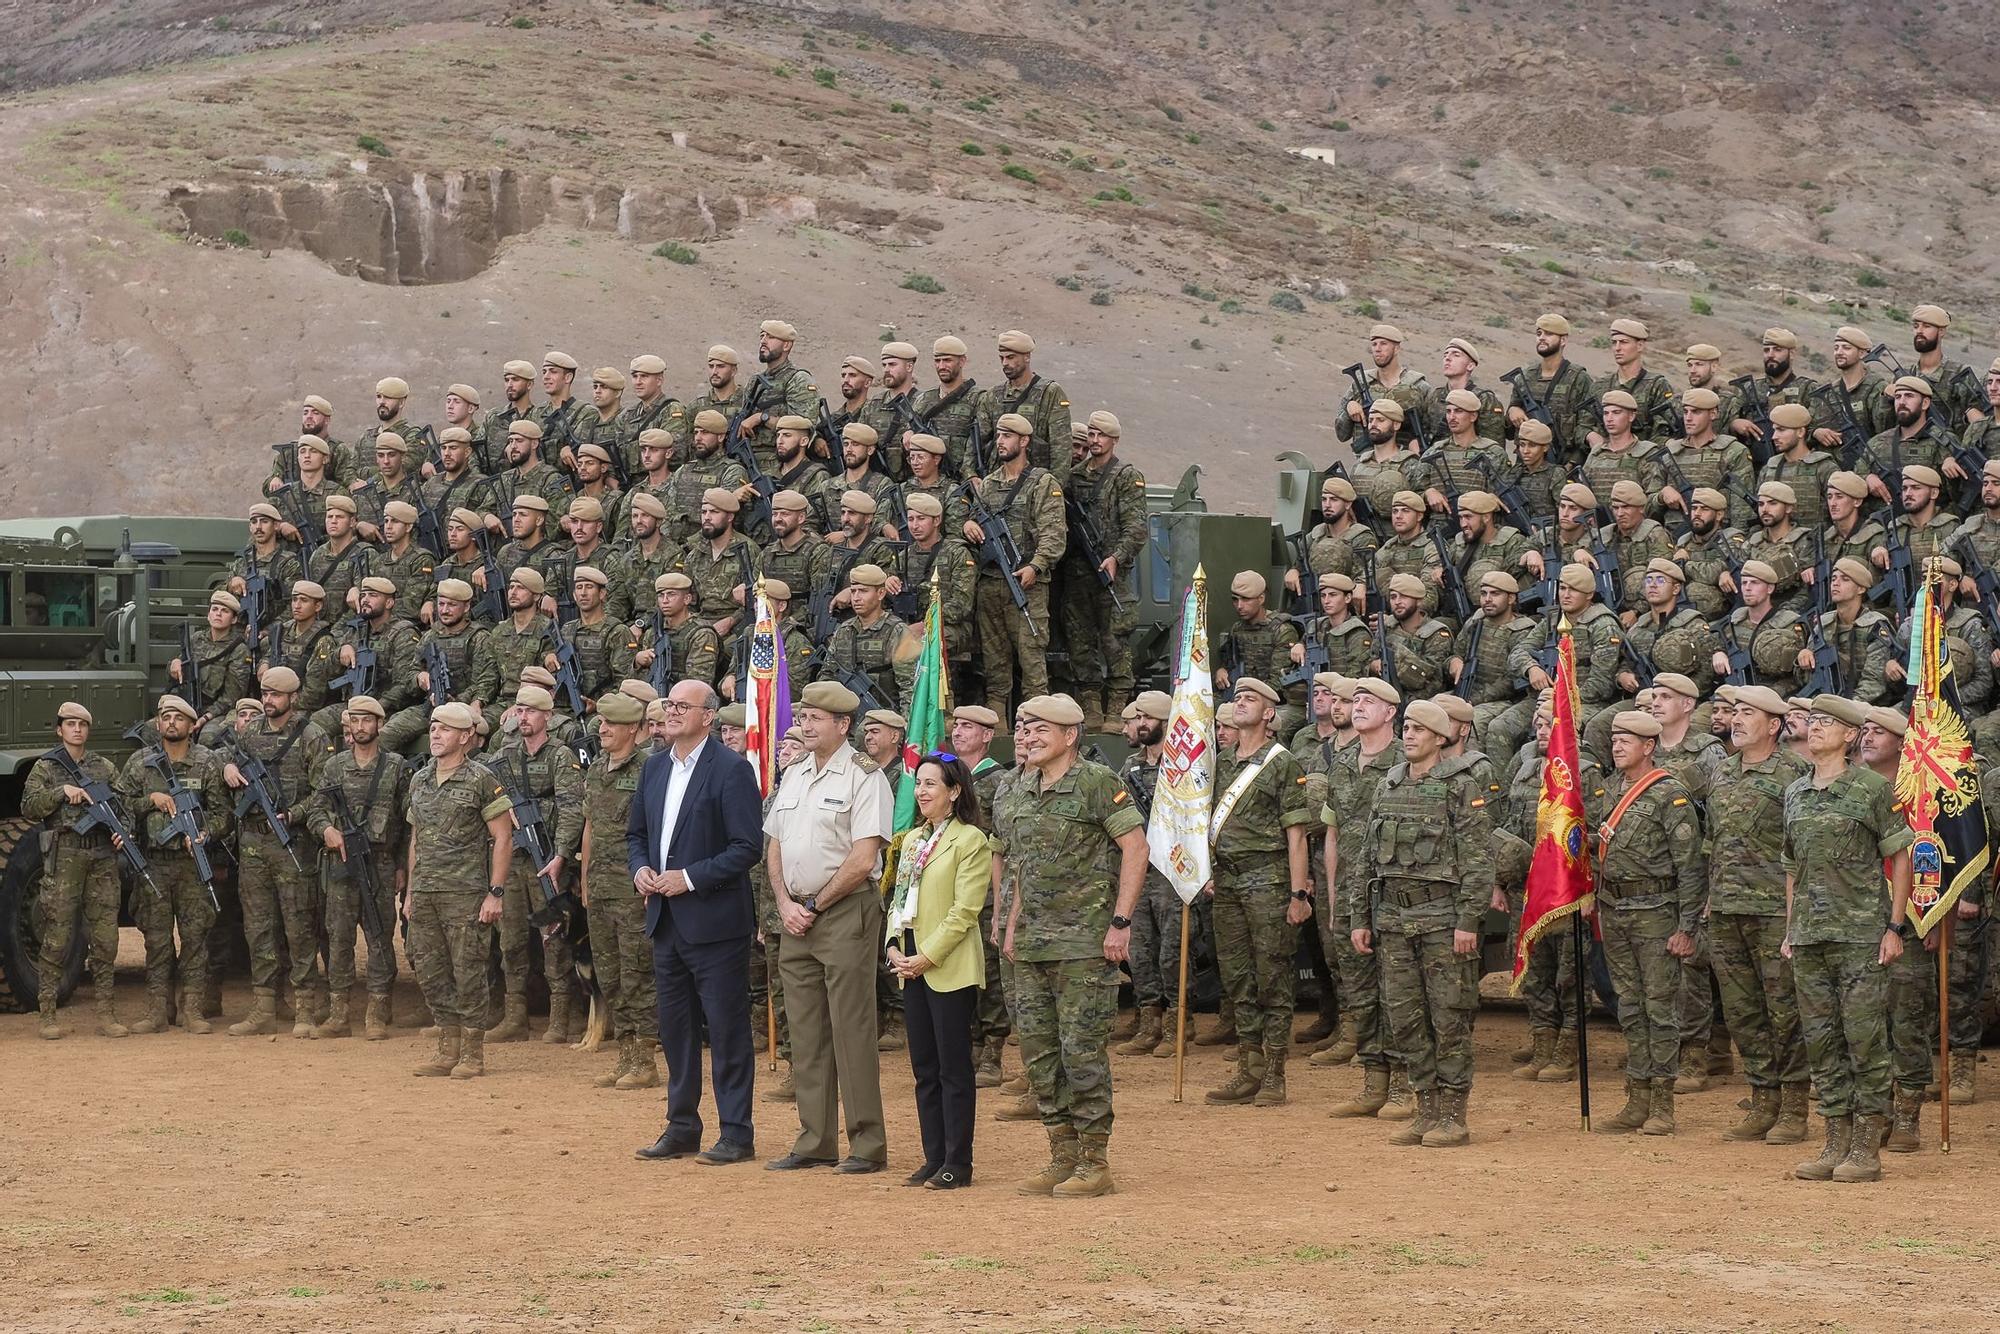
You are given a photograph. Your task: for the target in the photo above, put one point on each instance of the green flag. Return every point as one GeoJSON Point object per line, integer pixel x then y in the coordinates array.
{"type": "Point", "coordinates": [930, 703]}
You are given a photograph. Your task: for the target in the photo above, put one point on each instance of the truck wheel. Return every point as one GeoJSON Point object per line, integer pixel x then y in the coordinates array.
{"type": "Point", "coordinates": [21, 924]}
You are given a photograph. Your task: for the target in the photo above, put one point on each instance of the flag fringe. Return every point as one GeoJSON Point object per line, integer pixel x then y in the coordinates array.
{"type": "Point", "coordinates": [1533, 937]}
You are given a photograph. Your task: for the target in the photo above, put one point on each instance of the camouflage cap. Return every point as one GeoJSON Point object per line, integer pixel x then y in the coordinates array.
{"type": "Point", "coordinates": [366, 704]}
{"type": "Point", "coordinates": [1058, 709]}
{"type": "Point", "coordinates": [1014, 424]}
{"type": "Point", "coordinates": [175, 704]}
{"type": "Point", "coordinates": [530, 578]}
{"type": "Point", "coordinates": [525, 427]}
{"type": "Point", "coordinates": [561, 361]}
{"type": "Point", "coordinates": [535, 697]}
{"type": "Point", "coordinates": [1406, 585]}
{"type": "Point", "coordinates": [916, 442]}
{"type": "Point", "coordinates": [1387, 332]}
{"type": "Point", "coordinates": [708, 419]}
{"type": "Point", "coordinates": [1247, 584]}
{"type": "Point", "coordinates": [376, 583]}
{"type": "Point", "coordinates": [1840, 709]}
{"type": "Point", "coordinates": [265, 510]}
{"type": "Point", "coordinates": [1464, 345]}
{"type": "Point", "coordinates": [1578, 578]}
{"type": "Point", "coordinates": [1780, 338]}
{"type": "Point", "coordinates": [402, 511]}
{"type": "Point", "coordinates": [859, 433]}
{"type": "Point", "coordinates": [1795, 416]}
{"type": "Point", "coordinates": [459, 717]}
{"type": "Point", "coordinates": [1250, 685]}
{"type": "Point", "coordinates": [1618, 398]}
{"type": "Point", "coordinates": [1462, 399]}
{"type": "Point", "coordinates": [777, 590]}
{"type": "Point", "coordinates": [1704, 352]}
{"type": "Point", "coordinates": [1388, 409]}
{"type": "Point", "coordinates": [1534, 432]}
{"type": "Point", "coordinates": [1854, 336]}
{"type": "Point", "coordinates": [306, 588]}
{"type": "Point", "coordinates": [779, 330]}
{"type": "Point", "coordinates": [1701, 400]}
{"type": "Point", "coordinates": [1579, 495]}
{"type": "Point", "coordinates": [1631, 329]}
{"type": "Point", "coordinates": [622, 709]}
{"type": "Point", "coordinates": [860, 502]}
{"type": "Point", "coordinates": [519, 370]}
{"type": "Point", "coordinates": [647, 364]}
{"type": "Point", "coordinates": [1430, 715]}
{"type": "Point", "coordinates": [789, 499]}
{"type": "Point", "coordinates": [69, 708]}
{"type": "Point", "coordinates": [1495, 579]}
{"type": "Point", "coordinates": [317, 404]}
{"type": "Point", "coordinates": [1625, 491]}
{"type": "Point", "coordinates": [610, 377]}
{"type": "Point", "coordinates": [1551, 323]}
{"type": "Point", "coordinates": [899, 351]}
{"type": "Point", "coordinates": [1016, 341]}
{"type": "Point", "coordinates": [222, 597]}
{"type": "Point", "coordinates": [950, 346]}
{"type": "Point", "coordinates": [860, 366]}
{"type": "Point", "coordinates": [645, 502]}
{"type": "Point", "coordinates": [455, 590]}
{"type": "Point", "coordinates": [1849, 484]}
{"type": "Point", "coordinates": [1929, 314]}
{"type": "Point", "coordinates": [715, 497]}
{"type": "Point", "coordinates": [280, 680]}
{"type": "Point", "coordinates": [923, 502]}
{"type": "Point", "coordinates": [868, 576]}
{"type": "Point", "coordinates": [1104, 423]}
{"type": "Point", "coordinates": [341, 505]}
{"type": "Point", "coordinates": [392, 387]}
{"type": "Point", "coordinates": [1761, 698]}
{"type": "Point", "coordinates": [1915, 384]}
{"type": "Point", "coordinates": [1779, 491]}
{"type": "Point", "coordinates": [1923, 475]}
{"type": "Point", "coordinates": [1679, 684]}
{"type": "Point", "coordinates": [724, 355]}
{"type": "Point", "coordinates": [830, 697]}
{"type": "Point", "coordinates": [1891, 721]}
{"type": "Point", "coordinates": [1634, 723]}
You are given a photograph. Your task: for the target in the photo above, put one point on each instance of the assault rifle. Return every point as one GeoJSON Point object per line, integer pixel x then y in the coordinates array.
{"type": "Point", "coordinates": [1454, 578]}
{"type": "Point", "coordinates": [661, 673]}
{"type": "Point", "coordinates": [360, 678]}
{"type": "Point", "coordinates": [256, 586]}
{"type": "Point", "coordinates": [531, 836]}
{"type": "Point", "coordinates": [261, 790]}
{"type": "Point", "coordinates": [191, 672]}
{"type": "Point", "coordinates": [569, 688]}
{"type": "Point", "coordinates": [1469, 660]}
{"type": "Point", "coordinates": [185, 823]}
{"type": "Point", "coordinates": [999, 548]}
{"type": "Point", "coordinates": [1086, 539]}
{"type": "Point", "coordinates": [738, 449]}
{"type": "Point", "coordinates": [439, 671]}
{"type": "Point", "coordinates": [1757, 411]}
{"type": "Point", "coordinates": [101, 812]}
{"type": "Point", "coordinates": [357, 865]}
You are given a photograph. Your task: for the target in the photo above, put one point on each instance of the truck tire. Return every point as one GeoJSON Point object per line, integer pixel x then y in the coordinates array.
{"type": "Point", "coordinates": [20, 921]}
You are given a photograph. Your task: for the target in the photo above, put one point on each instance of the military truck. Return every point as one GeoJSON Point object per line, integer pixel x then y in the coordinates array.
{"type": "Point", "coordinates": [91, 609]}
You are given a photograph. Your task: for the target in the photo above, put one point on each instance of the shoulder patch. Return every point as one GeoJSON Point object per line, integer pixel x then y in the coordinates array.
{"type": "Point", "coordinates": [1119, 795]}
{"type": "Point", "coordinates": [1476, 801]}
{"type": "Point", "coordinates": [1680, 801]}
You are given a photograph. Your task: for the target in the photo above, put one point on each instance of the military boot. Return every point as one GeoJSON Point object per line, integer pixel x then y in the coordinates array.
{"type": "Point", "coordinates": [1026, 1107]}
{"type": "Point", "coordinates": [1790, 1127]}
{"type": "Point", "coordinates": [1411, 1133]}
{"type": "Point", "coordinates": [1402, 1104]}
{"type": "Point", "coordinates": [46, 1028]}
{"type": "Point", "coordinates": [154, 1020]}
{"type": "Point", "coordinates": [1374, 1093]}
{"type": "Point", "coordinates": [1964, 1079]}
{"type": "Point", "coordinates": [263, 1016]}
{"type": "Point", "coordinates": [336, 1025]}
{"type": "Point", "coordinates": [1320, 1030]}
{"type": "Point", "coordinates": [1862, 1162]}
{"type": "Point", "coordinates": [1243, 1085]}
{"type": "Point", "coordinates": [444, 1058]}
{"type": "Point", "coordinates": [1693, 1076]}
{"type": "Point", "coordinates": [1638, 1105]}
{"type": "Point", "coordinates": [1148, 1036]}
{"type": "Point", "coordinates": [375, 1024]}
{"type": "Point", "coordinates": [1756, 1122]}
{"type": "Point", "coordinates": [471, 1056]}
{"type": "Point", "coordinates": [1127, 1025]}
{"type": "Point", "coordinates": [891, 1036]}
{"type": "Point", "coordinates": [760, 1028]}
{"type": "Point", "coordinates": [1561, 1068]}
{"type": "Point", "coordinates": [627, 1050]}
{"type": "Point", "coordinates": [513, 1023]}
{"type": "Point", "coordinates": [987, 1074]}
{"type": "Point", "coordinates": [1839, 1130]}
{"type": "Point", "coordinates": [1660, 1116]}
{"type": "Point", "coordinates": [783, 1090]}
{"type": "Point", "coordinates": [1015, 1084]}
{"type": "Point", "coordinates": [194, 1022]}
{"type": "Point", "coordinates": [1064, 1151]}
{"type": "Point", "coordinates": [1521, 1055]}
{"type": "Point", "coordinates": [1093, 712]}
{"type": "Point", "coordinates": [644, 1074]}
{"type": "Point", "coordinates": [1541, 1053]}
{"type": "Point", "coordinates": [1340, 1048]}
{"type": "Point", "coordinates": [1451, 1131]}
{"type": "Point", "coordinates": [1271, 1092]}
{"type": "Point", "coordinates": [1221, 1034]}
{"type": "Point", "coordinates": [1091, 1176]}
{"type": "Point", "coordinates": [1905, 1109]}
{"type": "Point", "coordinates": [557, 1032]}
{"type": "Point", "coordinates": [107, 1016]}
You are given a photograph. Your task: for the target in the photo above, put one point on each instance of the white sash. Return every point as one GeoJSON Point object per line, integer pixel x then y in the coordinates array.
{"type": "Point", "coordinates": [1227, 803]}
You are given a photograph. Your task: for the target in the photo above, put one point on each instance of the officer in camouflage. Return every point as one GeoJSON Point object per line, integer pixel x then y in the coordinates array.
{"type": "Point", "coordinates": [619, 950]}
{"type": "Point", "coordinates": [532, 766]}
{"type": "Point", "coordinates": [80, 871]}
{"type": "Point", "coordinates": [1097, 628]}
{"type": "Point", "coordinates": [374, 784]}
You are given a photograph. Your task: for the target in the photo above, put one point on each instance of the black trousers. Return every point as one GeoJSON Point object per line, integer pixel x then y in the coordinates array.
{"type": "Point", "coordinates": [939, 1024]}
{"type": "Point", "coordinates": [693, 982]}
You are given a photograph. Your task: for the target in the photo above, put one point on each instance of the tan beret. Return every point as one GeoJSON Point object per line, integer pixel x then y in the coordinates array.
{"type": "Point", "coordinates": [789, 499]}
{"type": "Point", "coordinates": [948, 346]}
{"type": "Point", "coordinates": [888, 718]}
{"type": "Point", "coordinates": [634, 688]}
{"type": "Point", "coordinates": [1014, 424]}
{"type": "Point", "coordinates": [830, 697]}
{"type": "Point", "coordinates": [392, 387]}
{"type": "Point", "coordinates": [980, 715]}
{"type": "Point", "coordinates": [589, 574]}
{"type": "Point", "coordinates": [777, 590]}
{"type": "Point", "coordinates": [1630, 328]}
{"type": "Point", "coordinates": [69, 708]}
{"type": "Point", "coordinates": [1462, 399]}
{"type": "Point", "coordinates": [1058, 709]}
{"type": "Point", "coordinates": [919, 443]}
{"type": "Point", "coordinates": [1336, 581]}
{"type": "Point", "coordinates": [861, 366]}
{"type": "Point", "coordinates": [1992, 469]}
{"type": "Point", "coordinates": [860, 502]}
{"type": "Point", "coordinates": [1016, 341]}
{"type": "Point", "coordinates": [1923, 474]}
{"type": "Point", "coordinates": [724, 354]}
{"type": "Point", "coordinates": [1389, 409]}
{"type": "Point", "coordinates": [1726, 693]}
{"type": "Point", "coordinates": [466, 518]}
{"type": "Point", "coordinates": [1252, 686]}
{"type": "Point", "coordinates": [562, 361]}
{"type": "Point", "coordinates": [454, 435]}
{"type": "Point", "coordinates": [1155, 704]}
{"type": "Point", "coordinates": [1779, 491]}
{"type": "Point", "coordinates": [390, 442]}
{"type": "Point", "coordinates": [172, 704]}
{"type": "Point", "coordinates": [366, 704]}
{"type": "Point", "coordinates": [1407, 585]}
{"type": "Point", "coordinates": [308, 588]}
{"type": "Point", "coordinates": [647, 364]}
{"type": "Point", "coordinates": [525, 427]}
{"type": "Point", "coordinates": [1840, 709]}
{"type": "Point", "coordinates": [648, 503]}
{"type": "Point", "coordinates": [868, 576]}
{"type": "Point", "coordinates": [1849, 484]}
{"type": "Point", "coordinates": [402, 511]}
{"type": "Point", "coordinates": [655, 438]}
{"type": "Point", "coordinates": [1576, 493]}
{"type": "Point", "coordinates": [791, 421]}
{"type": "Point", "coordinates": [673, 581]}
{"type": "Point", "coordinates": [1625, 491]}
{"type": "Point", "coordinates": [1757, 569]}
{"type": "Point", "coordinates": [1534, 432]}
{"type": "Point", "coordinates": [1634, 723]}
{"type": "Point", "coordinates": [621, 708]}
{"type": "Point", "coordinates": [376, 583]}
{"type": "Point", "coordinates": [318, 404]}
{"type": "Point", "coordinates": [1407, 500]}
{"type": "Point", "coordinates": [459, 717]}
{"type": "Point", "coordinates": [1928, 314]}
{"type": "Point", "coordinates": [1247, 584]}
{"type": "Point", "coordinates": [593, 450]}
{"type": "Point", "coordinates": [708, 419]}
{"type": "Point", "coordinates": [1551, 323]}
{"type": "Point", "coordinates": [1855, 337]}
{"type": "Point", "coordinates": [899, 351]}
{"type": "Point", "coordinates": [1618, 398]}
{"type": "Point", "coordinates": [457, 590]}
{"type": "Point", "coordinates": [1430, 715]}
{"type": "Point", "coordinates": [1915, 384]}
{"type": "Point", "coordinates": [923, 502]}
{"type": "Point", "coordinates": [281, 680]}
{"type": "Point", "coordinates": [1949, 568]}
{"type": "Point", "coordinates": [608, 376]}
{"type": "Point", "coordinates": [1105, 423]}
{"type": "Point", "coordinates": [1710, 498]}
{"type": "Point", "coordinates": [717, 497]}
{"type": "Point", "coordinates": [1578, 578]}
{"type": "Point", "coordinates": [587, 508]}
{"type": "Point", "coordinates": [1701, 400]}
{"type": "Point", "coordinates": [266, 510]}
{"type": "Point", "coordinates": [779, 330]}
{"type": "Point", "coordinates": [1385, 331]}
{"type": "Point", "coordinates": [1464, 345]}
{"type": "Point", "coordinates": [535, 697]}
{"type": "Point", "coordinates": [859, 433]}
{"type": "Point", "coordinates": [222, 597]}
{"type": "Point", "coordinates": [536, 674]}
{"type": "Point", "coordinates": [531, 502]}
{"type": "Point", "coordinates": [520, 370]}
{"type": "Point", "coordinates": [1380, 689]}
{"type": "Point", "coordinates": [530, 578]}
{"type": "Point", "coordinates": [1860, 571]}
{"type": "Point", "coordinates": [729, 715]}
{"type": "Point", "coordinates": [1342, 686]}
{"type": "Point", "coordinates": [1497, 579]}
{"type": "Point", "coordinates": [1677, 683]}
{"type": "Point", "coordinates": [1456, 709]}
{"type": "Point", "coordinates": [1338, 486]}
{"type": "Point", "coordinates": [1761, 698]}
{"type": "Point", "coordinates": [1776, 337]}
{"type": "Point", "coordinates": [1891, 721]}
{"type": "Point", "coordinates": [1704, 352]}
{"type": "Point", "coordinates": [342, 505]}
{"type": "Point", "coordinates": [1791, 415]}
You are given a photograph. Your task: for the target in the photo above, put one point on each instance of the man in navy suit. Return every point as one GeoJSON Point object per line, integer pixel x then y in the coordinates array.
{"type": "Point", "coordinates": [691, 838]}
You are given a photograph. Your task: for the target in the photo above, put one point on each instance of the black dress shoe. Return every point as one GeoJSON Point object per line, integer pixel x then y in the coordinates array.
{"type": "Point", "coordinates": [921, 1175]}
{"type": "Point", "coordinates": [859, 1166]}
{"type": "Point", "coordinates": [950, 1178]}
{"type": "Point", "coordinates": [792, 1162]}
{"type": "Point", "coordinates": [667, 1146]}
{"type": "Point", "coordinates": [725, 1152]}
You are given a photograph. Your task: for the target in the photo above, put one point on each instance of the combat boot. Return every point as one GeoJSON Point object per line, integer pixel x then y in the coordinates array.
{"type": "Point", "coordinates": [1148, 1036]}
{"type": "Point", "coordinates": [1374, 1093]}
{"type": "Point", "coordinates": [1540, 1054]}
{"type": "Point", "coordinates": [444, 1058]}
{"type": "Point", "coordinates": [1638, 1105]}
{"type": "Point", "coordinates": [47, 1029]}
{"type": "Point", "coordinates": [1905, 1110]}
{"type": "Point", "coordinates": [513, 1023]}
{"type": "Point", "coordinates": [1425, 1120]}
{"type": "Point", "coordinates": [1451, 1131]}
{"type": "Point", "coordinates": [783, 1090]}
{"type": "Point", "coordinates": [263, 1016]}
{"type": "Point", "coordinates": [471, 1056]}
{"type": "Point", "coordinates": [1561, 1068]}
{"type": "Point", "coordinates": [889, 1035]}
{"type": "Point", "coordinates": [1402, 1104]}
{"type": "Point", "coordinates": [987, 1074]}
{"type": "Point", "coordinates": [1222, 1034]}
{"type": "Point", "coordinates": [1862, 1162]}
{"type": "Point", "coordinates": [1093, 713]}
{"type": "Point", "coordinates": [1027, 1107]}
{"type": "Point", "coordinates": [336, 1025]}
{"type": "Point", "coordinates": [1015, 1084]}
{"type": "Point", "coordinates": [1756, 1122]}
{"type": "Point", "coordinates": [1693, 1076]}
{"type": "Point", "coordinates": [1091, 1176]}
{"type": "Point", "coordinates": [1964, 1079]}
{"type": "Point", "coordinates": [1340, 1048]}
{"type": "Point", "coordinates": [1127, 1025]}
{"type": "Point", "coordinates": [155, 1018]}
{"type": "Point", "coordinates": [1790, 1127]}
{"type": "Point", "coordinates": [1064, 1150]}
{"type": "Point", "coordinates": [1242, 1086]}
{"type": "Point", "coordinates": [557, 1032]}
{"type": "Point", "coordinates": [1660, 1116]}
{"type": "Point", "coordinates": [107, 1016]}
{"type": "Point", "coordinates": [1271, 1092]}
{"type": "Point", "coordinates": [1839, 1130]}
{"type": "Point", "coordinates": [375, 1024]}
{"type": "Point", "coordinates": [1521, 1055]}
{"type": "Point", "coordinates": [1319, 1031]}
{"type": "Point", "coordinates": [643, 1074]}
{"type": "Point", "coordinates": [627, 1051]}
{"type": "Point", "coordinates": [760, 1028]}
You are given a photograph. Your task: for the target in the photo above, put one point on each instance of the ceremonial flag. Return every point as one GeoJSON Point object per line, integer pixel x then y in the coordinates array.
{"type": "Point", "coordinates": [1937, 780]}
{"type": "Point", "coordinates": [1559, 876]}
{"type": "Point", "coordinates": [1178, 829]}
{"type": "Point", "coordinates": [930, 705]}
{"type": "Point", "coordinates": [769, 705]}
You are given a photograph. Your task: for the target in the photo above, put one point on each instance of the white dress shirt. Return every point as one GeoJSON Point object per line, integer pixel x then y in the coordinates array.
{"type": "Point", "coordinates": [678, 773]}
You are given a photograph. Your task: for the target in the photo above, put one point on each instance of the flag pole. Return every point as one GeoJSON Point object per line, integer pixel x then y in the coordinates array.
{"type": "Point", "coordinates": [1944, 1031]}
{"type": "Point", "coordinates": [1180, 1008]}
{"type": "Point", "coordinates": [1582, 1023]}
{"type": "Point", "coordinates": [771, 1026]}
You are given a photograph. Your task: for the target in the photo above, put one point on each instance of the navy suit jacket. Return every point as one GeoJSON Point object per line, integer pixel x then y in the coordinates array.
{"type": "Point", "coordinates": [718, 837]}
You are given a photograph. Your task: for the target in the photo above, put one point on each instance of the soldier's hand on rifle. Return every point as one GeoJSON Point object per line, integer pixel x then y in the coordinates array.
{"type": "Point", "coordinates": [347, 655]}
{"type": "Point", "coordinates": [1670, 496]}
{"type": "Point", "coordinates": [1110, 567]}
{"type": "Point", "coordinates": [555, 867]}
{"type": "Point", "coordinates": [1539, 679]}
{"type": "Point", "coordinates": [1726, 582]}
{"type": "Point", "coordinates": [1464, 943]}
{"type": "Point", "coordinates": [334, 840]}
{"type": "Point", "coordinates": [1457, 668]}
{"type": "Point", "coordinates": [974, 533]}
{"type": "Point", "coordinates": [75, 795]}
{"type": "Point", "coordinates": [174, 669]}
{"type": "Point", "coordinates": [1516, 415]}
{"type": "Point", "coordinates": [643, 658]}
{"type": "Point", "coordinates": [1894, 669]}
{"type": "Point", "coordinates": [894, 584]}
{"type": "Point", "coordinates": [1949, 467]}
{"type": "Point", "coordinates": [1297, 652]}
{"type": "Point", "coordinates": [162, 803]}
{"type": "Point", "coordinates": [1354, 412]}
{"type": "Point", "coordinates": [118, 842]}
{"type": "Point", "coordinates": [1827, 438]}
{"type": "Point", "coordinates": [1584, 558]}
{"type": "Point", "coordinates": [236, 585]}
{"type": "Point", "coordinates": [1026, 574]}
{"type": "Point", "coordinates": [234, 776]}
{"type": "Point", "coordinates": [369, 532]}
{"type": "Point", "coordinates": [1532, 561]}
{"type": "Point", "coordinates": [568, 457]}
{"type": "Point", "coordinates": [423, 680]}
{"type": "Point", "coordinates": [1877, 487]}
{"type": "Point", "coordinates": [1880, 557]}
{"type": "Point", "coordinates": [1362, 939]}
{"type": "Point", "coordinates": [1745, 429]}
{"type": "Point", "coordinates": [1805, 659]}
{"type": "Point", "coordinates": [1718, 662]}
{"type": "Point", "coordinates": [549, 661]}
{"type": "Point", "coordinates": [1681, 945]}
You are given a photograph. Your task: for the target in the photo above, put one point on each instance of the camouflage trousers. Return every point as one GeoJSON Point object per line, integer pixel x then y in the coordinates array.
{"type": "Point", "coordinates": [79, 885]}
{"type": "Point", "coordinates": [182, 901]}
{"type": "Point", "coordinates": [1360, 992]}
{"type": "Point", "coordinates": [766, 986]}
{"type": "Point", "coordinates": [1429, 996]}
{"type": "Point", "coordinates": [1064, 1009]}
{"type": "Point", "coordinates": [1256, 951]}
{"type": "Point", "coordinates": [1097, 631]}
{"type": "Point", "coordinates": [1156, 944]}
{"type": "Point", "coordinates": [1758, 998]}
{"type": "Point", "coordinates": [276, 897]}
{"type": "Point", "coordinates": [1844, 1012]}
{"type": "Point", "coordinates": [1696, 1000]}
{"type": "Point", "coordinates": [1009, 650]}
{"type": "Point", "coordinates": [450, 949]}
{"type": "Point", "coordinates": [524, 897]}
{"type": "Point", "coordinates": [406, 725]}
{"type": "Point", "coordinates": [343, 918]}
{"type": "Point", "coordinates": [992, 1021]}
{"type": "Point", "coordinates": [1501, 727]}
{"type": "Point", "coordinates": [1645, 977]}
{"type": "Point", "coordinates": [1548, 982]}
{"type": "Point", "coordinates": [622, 956]}
{"type": "Point", "coordinates": [1913, 1003]}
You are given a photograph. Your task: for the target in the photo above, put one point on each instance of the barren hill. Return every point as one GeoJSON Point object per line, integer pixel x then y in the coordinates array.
{"type": "Point", "coordinates": [214, 208]}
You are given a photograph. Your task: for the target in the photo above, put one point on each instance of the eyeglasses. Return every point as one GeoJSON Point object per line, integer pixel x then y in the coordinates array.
{"type": "Point", "coordinates": [944, 755]}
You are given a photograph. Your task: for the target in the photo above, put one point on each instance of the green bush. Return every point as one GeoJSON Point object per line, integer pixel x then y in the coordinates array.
{"type": "Point", "coordinates": [972, 150]}
{"type": "Point", "coordinates": [1700, 305]}
{"type": "Point", "coordinates": [1289, 302]}
{"type": "Point", "coordinates": [1368, 310]}
{"type": "Point", "coordinates": [1870, 278]}
{"type": "Point", "coordinates": [524, 22]}
{"type": "Point", "coordinates": [1230, 307]}
{"type": "Point", "coordinates": [1070, 282]}
{"type": "Point", "coordinates": [824, 77]}
{"type": "Point", "coordinates": [1018, 172]}
{"type": "Point", "coordinates": [675, 251]}
{"type": "Point", "coordinates": [237, 237]}
{"type": "Point", "coordinates": [921, 282]}
{"type": "Point", "coordinates": [1101, 297]}
{"type": "Point", "coordinates": [369, 143]}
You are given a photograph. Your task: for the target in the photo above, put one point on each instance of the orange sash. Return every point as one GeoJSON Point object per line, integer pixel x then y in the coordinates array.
{"type": "Point", "coordinates": [1610, 826]}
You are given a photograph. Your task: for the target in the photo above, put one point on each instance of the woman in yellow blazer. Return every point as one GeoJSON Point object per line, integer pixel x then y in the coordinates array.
{"type": "Point", "coordinates": [939, 885]}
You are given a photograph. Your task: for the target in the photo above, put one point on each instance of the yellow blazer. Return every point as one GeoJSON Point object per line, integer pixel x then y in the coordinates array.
{"type": "Point", "coordinates": [949, 898]}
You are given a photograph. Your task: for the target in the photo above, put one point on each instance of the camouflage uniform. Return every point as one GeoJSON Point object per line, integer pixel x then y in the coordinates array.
{"type": "Point", "coordinates": [1376, 482]}
{"type": "Point", "coordinates": [396, 664]}
{"type": "Point", "coordinates": [307, 650]}
{"type": "Point", "coordinates": [619, 950]}
{"type": "Point", "coordinates": [1490, 424]}
{"type": "Point", "coordinates": [1863, 650]}
{"type": "Point", "coordinates": [604, 649]}
{"type": "Point", "coordinates": [1423, 656]}
{"type": "Point", "coordinates": [1413, 555]}
{"type": "Point", "coordinates": [415, 575]}
{"type": "Point", "coordinates": [698, 474]}
{"type": "Point", "coordinates": [1501, 712]}
{"type": "Point", "coordinates": [1659, 416]}
{"type": "Point", "coordinates": [1098, 632]}
{"type": "Point", "coordinates": [790, 392]}
{"type": "Point", "coordinates": [224, 671]}
{"type": "Point", "coordinates": [1888, 452]}
{"type": "Point", "coordinates": [280, 570]}
{"type": "Point", "coordinates": [1412, 392]}
{"type": "Point", "coordinates": [1807, 478]}
{"type": "Point", "coordinates": [1046, 407]}
{"type": "Point", "coordinates": [1013, 646]}
{"type": "Point", "coordinates": [79, 877]}
{"type": "Point", "coordinates": [474, 681]}
{"type": "Point", "coordinates": [1156, 941]}
{"type": "Point", "coordinates": [889, 414]}
{"type": "Point", "coordinates": [1330, 552]}
{"type": "Point", "coordinates": [953, 420]}
{"type": "Point", "coordinates": [535, 478]}
{"type": "Point", "coordinates": [1570, 399]}
{"type": "Point", "coordinates": [1773, 645]}
{"type": "Point", "coordinates": [1836, 837]}
{"type": "Point", "coordinates": [695, 649]}
{"type": "Point", "coordinates": [1351, 782]}
{"type": "Point", "coordinates": [1705, 558]}
{"type": "Point", "coordinates": [715, 576]}
{"type": "Point", "coordinates": [957, 570]}
{"type": "Point", "coordinates": [509, 648]}
{"type": "Point", "coordinates": [339, 572]}
{"type": "Point", "coordinates": [276, 894]}
{"type": "Point", "coordinates": [993, 1020]}
{"type": "Point", "coordinates": [1255, 946]}
{"type": "Point", "coordinates": [1540, 486]}
{"type": "Point", "coordinates": [449, 864]}
{"type": "Point", "coordinates": [552, 776]}
{"type": "Point", "coordinates": [1746, 925]}
{"type": "Point", "coordinates": [490, 457]}
{"type": "Point", "coordinates": [1260, 649]}
{"type": "Point", "coordinates": [183, 900]}
{"type": "Point", "coordinates": [1724, 464]}
{"type": "Point", "coordinates": [871, 651]}
{"type": "Point", "coordinates": [376, 797]}
{"type": "Point", "coordinates": [1638, 462]}
{"type": "Point", "coordinates": [1869, 404]}
{"type": "Point", "coordinates": [1548, 982]}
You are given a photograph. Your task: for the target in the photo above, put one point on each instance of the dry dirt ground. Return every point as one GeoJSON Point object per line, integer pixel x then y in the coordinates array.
{"type": "Point", "coordinates": [179, 1183]}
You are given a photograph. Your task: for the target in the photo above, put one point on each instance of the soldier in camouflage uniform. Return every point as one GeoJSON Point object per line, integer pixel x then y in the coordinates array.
{"type": "Point", "coordinates": [461, 643]}
{"type": "Point", "coordinates": [1563, 398]}
{"type": "Point", "coordinates": [619, 950]}
{"type": "Point", "coordinates": [1407, 549]}
{"type": "Point", "coordinates": [1029, 398]}
{"type": "Point", "coordinates": [1460, 361]}
{"type": "Point", "coordinates": [525, 475]}
{"type": "Point", "coordinates": [1955, 386]}
{"type": "Point", "coordinates": [1387, 381]}
{"type": "Point", "coordinates": [1655, 416]}
{"type": "Point", "coordinates": [651, 409]}
{"type": "Point", "coordinates": [1463, 459]}
{"type": "Point", "coordinates": [147, 786]}
{"type": "Point", "coordinates": [1340, 543]}
{"type": "Point", "coordinates": [1692, 756]}
{"type": "Point", "coordinates": [465, 560]}
{"type": "Point", "coordinates": [1624, 455]}
{"type": "Point", "coordinates": [1779, 385]}
{"type": "Point", "coordinates": [604, 645]}
{"type": "Point", "coordinates": [517, 641]}
{"type": "Point", "coordinates": [536, 547]}
{"type": "Point", "coordinates": [80, 870]}
{"type": "Point", "coordinates": [602, 422]}
{"type": "Point", "coordinates": [1259, 644]}
{"type": "Point", "coordinates": [315, 420]}
{"type": "Point", "coordinates": [1155, 957]}
{"type": "Point", "coordinates": [1704, 371]}
{"type": "Point", "coordinates": [374, 785]}
{"type": "Point", "coordinates": [533, 766]}
{"type": "Point", "coordinates": [706, 469]}
{"type": "Point", "coordinates": [1261, 890]}
{"type": "Point", "coordinates": [275, 891]}
{"type": "Point", "coordinates": [893, 411]}
{"type": "Point", "coordinates": [1859, 635]}
{"type": "Point", "coordinates": [925, 455]}
{"type": "Point", "coordinates": [1337, 632]}
{"type": "Point", "coordinates": [1651, 883]}
{"type": "Point", "coordinates": [727, 397]}
{"type": "Point", "coordinates": [1782, 544]}
{"type": "Point", "coordinates": [304, 643]}
{"type": "Point", "coordinates": [1746, 920]}
{"type": "Point", "coordinates": [1068, 928]}
{"type": "Point", "coordinates": [412, 568]}
{"type": "Point", "coordinates": [781, 389]}
{"type": "Point", "coordinates": [1669, 634]}
{"type": "Point", "coordinates": [654, 478]}
{"type": "Point", "coordinates": [1701, 458]}
{"type": "Point", "coordinates": [1531, 478]}
{"type": "Point", "coordinates": [1852, 407]}
{"type": "Point", "coordinates": [695, 650]}
{"type": "Point", "coordinates": [377, 628]}
{"type": "Point", "coordinates": [931, 555]}
{"type": "Point", "coordinates": [459, 485]}
{"type": "Point", "coordinates": [515, 407]}
{"type": "Point", "coordinates": [1012, 643]}
{"type": "Point", "coordinates": [303, 502]}
{"type": "Point", "coordinates": [221, 671]}
{"type": "Point", "coordinates": [722, 563]}
{"type": "Point", "coordinates": [270, 559]}
{"type": "Point", "coordinates": [390, 479]}
{"type": "Point", "coordinates": [1480, 671]}
{"type": "Point", "coordinates": [1794, 462]}
{"type": "Point", "coordinates": [342, 561]}
{"type": "Point", "coordinates": [559, 416]}
{"type": "Point", "coordinates": [863, 650]}
{"type": "Point", "coordinates": [1771, 636]}
{"type": "Point", "coordinates": [1386, 470]}
{"type": "Point", "coordinates": [797, 554]}
{"type": "Point", "coordinates": [392, 396]}
{"type": "Point", "coordinates": [1844, 929]}
{"type": "Point", "coordinates": [647, 554]}
{"type": "Point", "coordinates": [1097, 628]}
{"type": "Point", "coordinates": [951, 411]}
{"type": "Point", "coordinates": [1420, 644]}
{"type": "Point", "coordinates": [1483, 543]}
{"type": "Point", "coordinates": [1912, 442]}
{"type": "Point", "coordinates": [1428, 876]}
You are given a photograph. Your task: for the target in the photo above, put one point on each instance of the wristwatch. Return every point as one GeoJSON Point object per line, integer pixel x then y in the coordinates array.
{"type": "Point", "coordinates": [810, 904]}
{"type": "Point", "coordinates": [1120, 923]}
{"type": "Point", "coordinates": [1303, 895]}
{"type": "Point", "coordinates": [496, 891]}
{"type": "Point", "coordinates": [1901, 928]}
